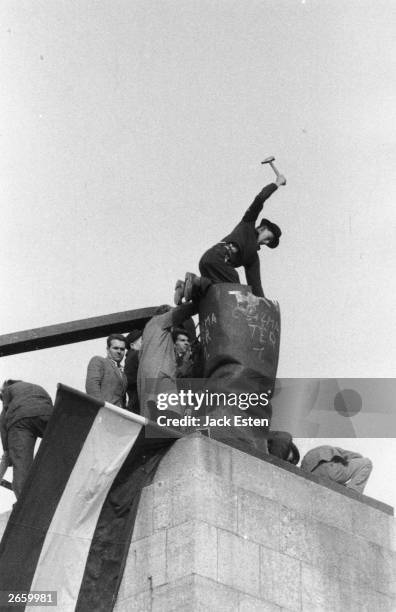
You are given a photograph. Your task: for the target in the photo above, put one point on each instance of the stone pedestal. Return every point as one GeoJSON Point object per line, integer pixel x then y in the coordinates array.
{"type": "Point", "coordinates": [220, 530]}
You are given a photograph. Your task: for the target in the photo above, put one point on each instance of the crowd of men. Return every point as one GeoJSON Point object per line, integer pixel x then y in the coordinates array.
{"type": "Point", "coordinates": [166, 351]}
{"type": "Point", "coordinates": [160, 354]}
{"type": "Point", "coordinates": [155, 359]}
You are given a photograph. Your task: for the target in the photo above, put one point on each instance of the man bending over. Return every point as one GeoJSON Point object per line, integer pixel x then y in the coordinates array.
{"type": "Point", "coordinates": [239, 248]}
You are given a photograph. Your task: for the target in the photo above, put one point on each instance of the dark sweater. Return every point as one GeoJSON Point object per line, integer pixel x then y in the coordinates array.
{"type": "Point", "coordinates": [21, 400]}
{"type": "Point", "coordinates": [244, 235]}
{"type": "Point", "coordinates": [130, 370]}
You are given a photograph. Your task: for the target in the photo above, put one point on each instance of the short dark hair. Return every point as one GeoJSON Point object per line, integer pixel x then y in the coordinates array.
{"type": "Point", "coordinates": [179, 331]}
{"type": "Point", "coordinates": [9, 382]}
{"type": "Point", "coordinates": [4, 389]}
{"type": "Point", "coordinates": [115, 337]}
{"type": "Point", "coordinates": [163, 309]}
{"type": "Point", "coordinates": [134, 335]}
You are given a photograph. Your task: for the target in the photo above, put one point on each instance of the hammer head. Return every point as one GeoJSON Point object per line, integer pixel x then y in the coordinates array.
{"type": "Point", "coordinates": [268, 160]}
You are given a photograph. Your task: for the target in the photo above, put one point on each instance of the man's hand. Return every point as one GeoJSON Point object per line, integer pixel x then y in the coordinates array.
{"type": "Point", "coordinates": [280, 180]}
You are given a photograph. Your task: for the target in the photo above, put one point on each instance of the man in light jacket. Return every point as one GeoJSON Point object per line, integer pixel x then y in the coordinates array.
{"type": "Point", "coordinates": [345, 467]}
{"type": "Point", "coordinates": [105, 376]}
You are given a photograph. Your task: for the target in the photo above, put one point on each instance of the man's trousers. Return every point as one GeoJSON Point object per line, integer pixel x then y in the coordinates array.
{"type": "Point", "coordinates": [214, 266]}
{"type": "Point", "coordinates": [354, 475]}
{"type": "Point", "coordinates": [21, 438]}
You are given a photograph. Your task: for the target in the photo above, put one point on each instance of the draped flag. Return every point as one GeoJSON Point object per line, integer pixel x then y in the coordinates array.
{"type": "Point", "coordinates": [70, 529]}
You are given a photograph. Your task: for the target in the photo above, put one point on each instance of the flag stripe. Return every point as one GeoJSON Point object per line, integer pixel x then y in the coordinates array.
{"type": "Point", "coordinates": [137, 418]}
{"type": "Point", "coordinates": [26, 530]}
{"type": "Point", "coordinates": [70, 532]}
{"type": "Point", "coordinates": [110, 543]}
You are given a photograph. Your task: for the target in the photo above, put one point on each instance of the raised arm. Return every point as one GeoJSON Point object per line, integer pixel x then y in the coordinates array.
{"type": "Point", "coordinates": [184, 312]}
{"type": "Point", "coordinates": [256, 206]}
{"type": "Point", "coordinates": [178, 315]}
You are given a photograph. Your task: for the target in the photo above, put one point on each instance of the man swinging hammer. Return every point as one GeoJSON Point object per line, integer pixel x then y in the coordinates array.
{"type": "Point", "coordinates": [239, 248]}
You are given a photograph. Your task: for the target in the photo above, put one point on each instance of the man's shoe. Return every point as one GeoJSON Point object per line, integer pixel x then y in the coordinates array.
{"type": "Point", "coordinates": [179, 292]}
{"type": "Point", "coordinates": [191, 286]}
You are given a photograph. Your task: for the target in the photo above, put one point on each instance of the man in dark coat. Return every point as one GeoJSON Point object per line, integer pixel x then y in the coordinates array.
{"type": "Point", "coordinates": [26, 411]}
{"type": "Point", "coordinates": [280, 444]}
{"type": "Point", "coordinates": [133, 342]}
{"type": "Point", "coordinates": [239, 248]}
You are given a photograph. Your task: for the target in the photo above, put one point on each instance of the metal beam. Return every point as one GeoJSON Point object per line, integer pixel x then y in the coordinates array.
{"type": "Point", "coordinates": [74, 331]}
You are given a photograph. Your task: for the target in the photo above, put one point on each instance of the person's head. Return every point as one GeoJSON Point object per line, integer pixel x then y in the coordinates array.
{"type": "Point", "coordinates": [181, 340]}
{"type": "Point", "coordinates": [163, 309]}
{"type": "Point", "coordinates": [7, 383]}
{"type": "Point", "coordinates": [268, 234]}
{"type": "Point", "coordinates": [134, 339]}
{"type": "Point", "coordinates": [294, 454]}
{"type": "Point", "coordinates": [116, 347]}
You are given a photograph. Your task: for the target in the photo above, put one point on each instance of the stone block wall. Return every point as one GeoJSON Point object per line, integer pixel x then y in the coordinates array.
{"type": "Point", "coordinates": [219, 530]}
{"type": "Point", "coordinates": [222, 530]}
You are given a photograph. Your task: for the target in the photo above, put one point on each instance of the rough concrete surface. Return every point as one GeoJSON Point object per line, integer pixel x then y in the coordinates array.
{"type": "Point", "coordinates": [222, 530]}
{"type": "Point", "coordinates": [219, 529]}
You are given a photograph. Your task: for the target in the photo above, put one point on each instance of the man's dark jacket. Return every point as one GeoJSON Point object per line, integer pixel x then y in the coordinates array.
{"type": "Point", "coordinates": [244, 235]}
{"type": "Point", "coordinates": [22, 400]}
{"type": "Point", "coordinates": [130, 370]}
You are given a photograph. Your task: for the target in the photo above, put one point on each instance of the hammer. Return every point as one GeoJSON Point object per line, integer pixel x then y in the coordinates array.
{"type": "Point", "coordinates": [270, 160]}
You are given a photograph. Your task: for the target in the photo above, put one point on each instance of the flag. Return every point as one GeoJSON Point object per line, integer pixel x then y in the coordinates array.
{"type": "Point", "coordinates": [70, 529]}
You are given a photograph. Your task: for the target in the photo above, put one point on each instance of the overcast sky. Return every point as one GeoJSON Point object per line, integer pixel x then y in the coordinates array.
{"type": "Point", "coordinates": [132, 134]}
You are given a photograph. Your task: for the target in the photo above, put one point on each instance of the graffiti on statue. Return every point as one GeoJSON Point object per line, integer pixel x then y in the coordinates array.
{"type": "Point", "coordinates": [206, 328]}
{"type": "Point", "coordinates": [262, 317]}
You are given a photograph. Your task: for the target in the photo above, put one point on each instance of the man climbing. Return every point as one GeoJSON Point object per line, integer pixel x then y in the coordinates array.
{"type": "Point", "coordinates": [157, 372]}
{"type": "Point", "coordinates": [239, 248]}
{"type": "Point", "coordinates": [27, 408]}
